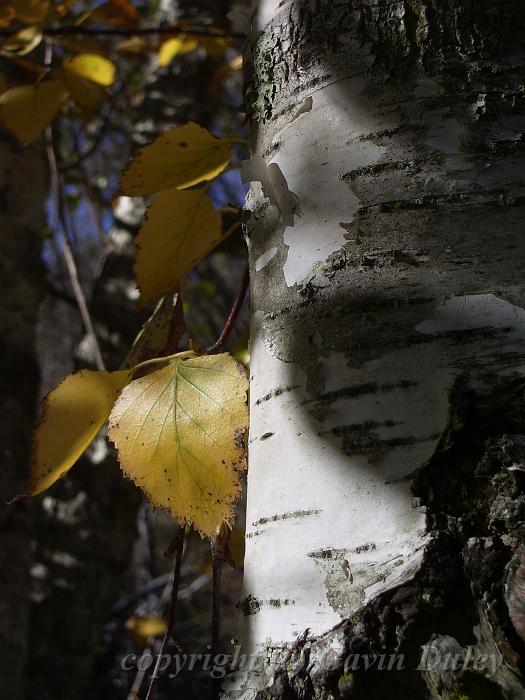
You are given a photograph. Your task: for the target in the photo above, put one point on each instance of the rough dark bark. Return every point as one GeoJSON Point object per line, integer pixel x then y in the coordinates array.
{"type": "Point", "coordinates": [23, 186]}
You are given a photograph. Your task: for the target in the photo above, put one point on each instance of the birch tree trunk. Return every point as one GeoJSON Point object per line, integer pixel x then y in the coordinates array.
{"type": "Point", "coordinates": [387, 439]}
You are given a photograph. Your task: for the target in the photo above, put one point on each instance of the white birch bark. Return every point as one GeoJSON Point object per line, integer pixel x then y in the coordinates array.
{"type": "Point", "coordinates": [400, 278]}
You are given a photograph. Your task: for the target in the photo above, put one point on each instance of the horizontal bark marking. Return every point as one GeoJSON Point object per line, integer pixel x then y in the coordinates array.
{"type": "Point", "coordinates": [378, 168]}
{"type": "Point", "coordinates": [328, 553]}
{"type": "Point", "coordinates": [349, 392]}
{"type": "Point", "coordinates": [371, 304]}
{"type": "Point", "coordinates": [435, 201]}
{"type": "Point", "coordinates": [298, 514]}
{"type": "Point", "coordinates": [365, 548]}
{"type": "Point", "coordinates": [251, 605]}
{"type": "Point", "coordinates": [359, 442]}
{"type": "Point", "coordinates": [359, 427]}
{"type": "Point", "coordinates": [274, 393]}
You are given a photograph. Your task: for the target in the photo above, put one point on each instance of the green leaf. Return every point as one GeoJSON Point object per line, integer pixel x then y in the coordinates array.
{"type": "Point", "coordinates": [179, 434]}
{"type": "Point", "coordinates": [181, 157]}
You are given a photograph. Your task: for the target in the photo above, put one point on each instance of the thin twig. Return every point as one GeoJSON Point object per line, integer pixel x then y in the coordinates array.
{"type": "Point", "coordinates": [179, 544]}
{"type": "Point", "coordinates": [81, 157]}
{"type": "Point", "coordinates": [67, 252]}
{"type": "Point", "coordinates": [149, 649]}
{"type": "Point", "coordinates": [137, 31]}
{"type": "Point", "coordinates": [234, 313]}
{"type": "Point", "coordinates": [217, 563]}
{"type": "Point", "coordinates": [220, 552]}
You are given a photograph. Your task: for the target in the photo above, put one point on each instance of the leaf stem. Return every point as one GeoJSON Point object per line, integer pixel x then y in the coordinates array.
{"type": "Point", "coordinates": [234, 313]}
{"type": "Point", "coordinates": [178, 546]}
{"type": "Point", "coordinates": [156, 360]}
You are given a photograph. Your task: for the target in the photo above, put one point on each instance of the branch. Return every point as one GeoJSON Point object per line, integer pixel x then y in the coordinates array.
{"type": "Point", "coordinates": [234, 313]}
{"type": "Point", "coordinates": [220, 553]}
{"type": "Point", "coordinates": [138, 31]}
{"type": "Point", "coordinates": [68, 253]}
{"type": "Point", "coordinates": [81, 157]}
{"type": "Point", "coordinates": [178, 545]}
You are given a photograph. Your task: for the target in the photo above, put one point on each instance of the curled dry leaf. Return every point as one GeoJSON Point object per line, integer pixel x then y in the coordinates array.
{"type": "Point", "coordinates": [73, 413]}
{"type": "Point", "coordinates": [179, 434]}
{"type": "Point", "coordinates": [180, 228]}
{"type": "Point", "coordinates": [161, 333]}
{"type": "Point", "coordinates": [181, 157]}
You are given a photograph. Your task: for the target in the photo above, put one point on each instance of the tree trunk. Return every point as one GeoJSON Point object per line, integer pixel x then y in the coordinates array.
{"type": "Point", "coordinates": [23, 188]}
{"type": "Point", "coordinates": [387, 438]}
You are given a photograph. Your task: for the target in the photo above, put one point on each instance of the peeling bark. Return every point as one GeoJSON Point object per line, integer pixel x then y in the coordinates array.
{"type": "Point", "coordinates": [385, 491]}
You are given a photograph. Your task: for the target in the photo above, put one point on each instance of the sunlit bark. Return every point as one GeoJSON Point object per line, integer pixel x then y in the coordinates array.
{"type": "Point", "coordinates": [387, 344]}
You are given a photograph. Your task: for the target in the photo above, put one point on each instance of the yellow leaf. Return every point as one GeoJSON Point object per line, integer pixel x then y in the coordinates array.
{"type": "Point", "coordinates": [180, 228]}
{"type": "Point", "coordinates": [215, 45]}
{"type": "Point", "coordinates": [73, 414]}
{"type": "Point", "coordinates": [93, 67]}
{"type": "Point", "coordinates": [31, 11]}
{"type": "Point", "coordinates": [133, 45]}
{"type": "Point", "coordinates": [236, 63]}
{"type": "Point", "coordinates": [161, 333]}
{"type": "Point", "coordinates": [86, 94]}
{"type": "Point", "coordinates": [142, 628]}
{"type": "Point", "coordinates": [23, 42]}
{"type": "Point", "coordinates": [179, 434]}
{"type": "Point", "coordinates": [176, 46]}
{"type": "Point", "coordinates": [236, 545]}
{"type": "Point", "coordinates": [181, 157]}
{"type": "Point", "coordinates": [27, 110]}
